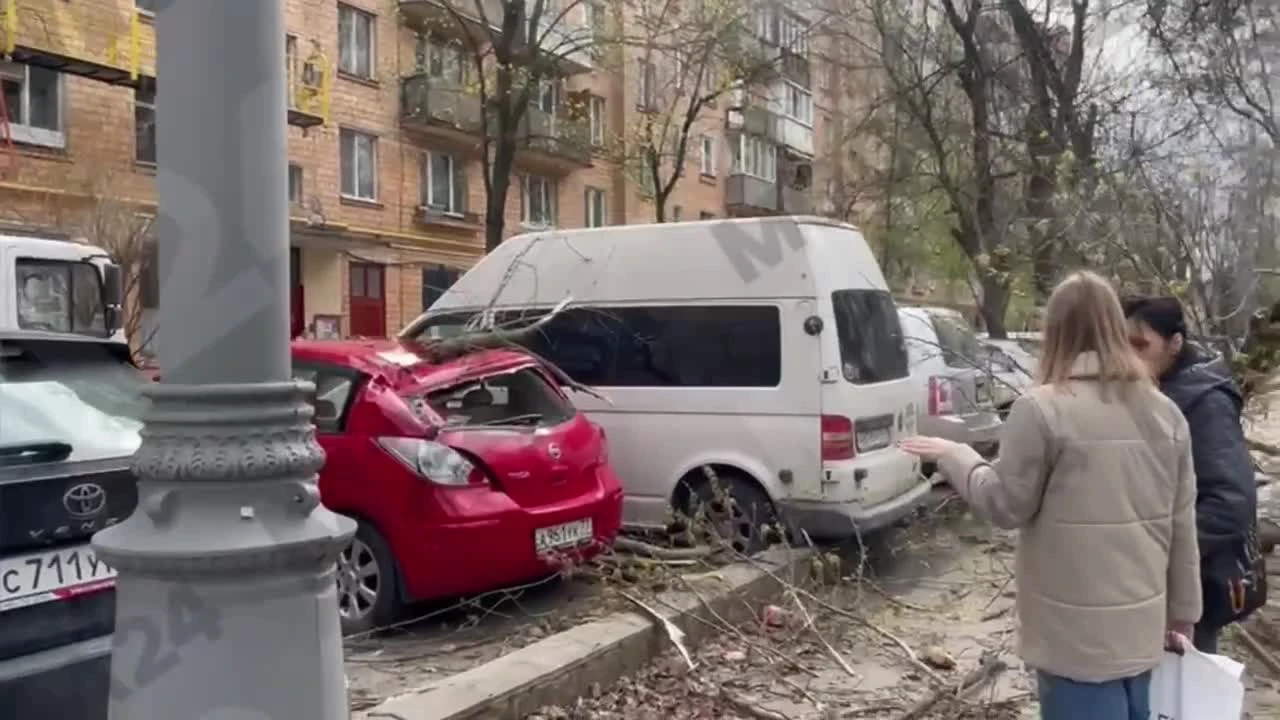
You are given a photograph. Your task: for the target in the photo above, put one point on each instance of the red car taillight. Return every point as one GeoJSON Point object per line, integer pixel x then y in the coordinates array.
{"type": "Point", "coordinates": [940, 401]}
{"type": "Point", "coordinates": [837, 438]}
{"type": "Point", "coordinates": [433, 461]}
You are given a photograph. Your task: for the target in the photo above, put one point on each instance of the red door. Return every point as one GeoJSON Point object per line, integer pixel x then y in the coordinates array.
{"type": "Point", "coordinates": [368, 301]}
{"type": "Point", "coordinates": [297, 308]}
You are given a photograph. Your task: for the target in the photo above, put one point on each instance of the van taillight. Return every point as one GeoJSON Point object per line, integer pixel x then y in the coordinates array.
{"type": "Point", "coordinates": [837, 438]}
{"type": "Point", "coordinates": [940, 402]}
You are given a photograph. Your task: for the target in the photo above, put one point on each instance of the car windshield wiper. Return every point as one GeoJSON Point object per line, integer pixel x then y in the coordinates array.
{"type": "Point", "coordinates": [33, 452]}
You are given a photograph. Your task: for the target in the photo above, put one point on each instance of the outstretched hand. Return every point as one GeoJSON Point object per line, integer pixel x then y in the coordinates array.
{"type": "Point", "coordinates": [929, 448]}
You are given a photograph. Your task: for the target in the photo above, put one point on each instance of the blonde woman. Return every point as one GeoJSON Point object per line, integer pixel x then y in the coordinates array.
{"type": "Point", "coordinates": [1095, 472]}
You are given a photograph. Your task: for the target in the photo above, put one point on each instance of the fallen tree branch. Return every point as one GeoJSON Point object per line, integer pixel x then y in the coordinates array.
{"type": "Point", "coordinates": [748, 708]}
{"type": "Point", "coordinates": [988, 667]}
{"type": "Point", "coordinates": [1264, 448]}
{"type": "Point", "coordinates": [1261, 653]}
{"type": "Point", "coordinates": [639, 547]}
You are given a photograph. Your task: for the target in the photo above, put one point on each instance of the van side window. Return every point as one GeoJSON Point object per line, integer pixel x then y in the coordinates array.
{"type": "Point", "coordinates": [871, 344]}
{"type": "Point", "coordinates": [673, 346]}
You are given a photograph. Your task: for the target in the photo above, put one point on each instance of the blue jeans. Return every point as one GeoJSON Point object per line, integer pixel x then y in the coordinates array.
{"type": "Point", "coordinates": [1125, 699]}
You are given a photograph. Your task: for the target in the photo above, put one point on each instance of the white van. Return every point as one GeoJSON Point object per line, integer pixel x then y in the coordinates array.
{"type": "Point", "coordinates": [765, 349]}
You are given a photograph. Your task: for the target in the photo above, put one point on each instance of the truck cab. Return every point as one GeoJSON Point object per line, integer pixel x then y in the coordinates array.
{"type": "Point", "coordinates": [60, 286]}
{"type": "Point", "coordinates": [71, 408]}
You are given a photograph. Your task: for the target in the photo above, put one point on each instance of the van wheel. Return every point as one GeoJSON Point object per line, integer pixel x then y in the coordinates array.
{"type": "Point", "coordinates": [368, 587]}
{"type": "Point", "coordinates": [731, 508]}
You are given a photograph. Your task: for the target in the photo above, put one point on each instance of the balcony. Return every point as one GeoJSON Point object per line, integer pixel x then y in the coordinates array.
{"type": "Point", "coordinates": [755, 120]}
{"type": "Point", "coordinates": [439, 107]}
{"type": "Point", "coordinates": [796, 201]}
{"type": "Point", "coordinates": [554, 141]}
{"type": "Point", "coordinates": [750, 195]}
{"type": "Point", "coordinates": [568, 40]}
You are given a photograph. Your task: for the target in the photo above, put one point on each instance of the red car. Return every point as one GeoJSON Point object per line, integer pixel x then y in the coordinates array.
{"type": "Point", "coordinates": [465, 476]}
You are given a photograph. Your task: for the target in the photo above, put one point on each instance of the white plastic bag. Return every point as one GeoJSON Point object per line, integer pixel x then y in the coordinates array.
{"type": "Point", "coordinates": [1197, 686]}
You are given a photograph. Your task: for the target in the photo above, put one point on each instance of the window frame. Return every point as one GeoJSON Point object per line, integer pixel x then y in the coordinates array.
{"type": "Point", "coordinates": [646, 85]}
{"type": "Point", "coordinates": [550, 190]}
{"type": "Point", "coordinates": [357, 135]}
{"type": "Point", "coordinates": [595, 217]}
{"type": "Point", "coordinates": [797, 103]}
{"type": "Point", "coordinates": [707, 148]}
{"type": "Point", "coordinates": [750, 154]}
{"type": "Point", "coordinates": [28, 134]}
{"type": "Point", "coordinates": [597, 119]}
{"type": "Point", "coordinates": [351, 68]}
{"type": "Point", "coordinates": [457, 206]}
{"type": "Point", "coordinates": [296, 177]}
{"type": "Point", "coordinates": [142, 106]}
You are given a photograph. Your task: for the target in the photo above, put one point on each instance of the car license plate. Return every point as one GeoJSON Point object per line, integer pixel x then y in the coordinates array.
{"type": "Point", "coordinates": [52, 575]}
{"type": "Point", "coordinates": [561, 536]}
{"type": "Point", "coordinates": [873, 439]}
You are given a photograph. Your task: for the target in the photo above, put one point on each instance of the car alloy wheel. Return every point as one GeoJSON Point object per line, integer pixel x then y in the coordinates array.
{"type": "Point", "coordinates": [359, 581]}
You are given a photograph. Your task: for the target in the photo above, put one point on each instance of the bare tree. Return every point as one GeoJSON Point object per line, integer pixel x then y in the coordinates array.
{"type": "Point", "coordinates": [515, 52]}
{"type": "Point", "coordinates": [688, 59]}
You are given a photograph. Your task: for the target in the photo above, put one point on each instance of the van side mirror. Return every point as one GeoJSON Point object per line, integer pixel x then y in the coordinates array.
{"type": "Point", "coordinates": [112, 296]}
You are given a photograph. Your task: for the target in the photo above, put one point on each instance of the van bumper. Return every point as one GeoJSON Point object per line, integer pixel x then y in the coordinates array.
{"type": "Point", "coordinates": [838, 520]}
{"type": "Point", "coordinates": [71, 682]}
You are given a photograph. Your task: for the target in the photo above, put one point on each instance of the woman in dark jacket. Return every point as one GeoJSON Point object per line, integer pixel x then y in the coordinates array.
{"type": "Point", "coordinates": [1226, 491]}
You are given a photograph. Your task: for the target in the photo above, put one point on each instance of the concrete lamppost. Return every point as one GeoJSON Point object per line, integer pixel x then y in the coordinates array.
{"type": "Point", "coordinates": [226, 606]}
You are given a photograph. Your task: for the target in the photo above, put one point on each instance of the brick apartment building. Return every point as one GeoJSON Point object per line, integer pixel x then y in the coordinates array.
{"type": "Point", "coordinates": [384, 175]}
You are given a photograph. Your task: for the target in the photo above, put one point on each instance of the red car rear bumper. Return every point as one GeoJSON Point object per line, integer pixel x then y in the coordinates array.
{"type": "Point", "coordinates": [493, 547]}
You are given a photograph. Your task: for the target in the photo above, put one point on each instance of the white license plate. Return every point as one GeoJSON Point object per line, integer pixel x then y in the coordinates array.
{"type": "Point", "coordinates": [873, 439]}
{"type": "Point", "coordinates": [561, 536]}
{"type": "Point", "coordinates": [42, 577]}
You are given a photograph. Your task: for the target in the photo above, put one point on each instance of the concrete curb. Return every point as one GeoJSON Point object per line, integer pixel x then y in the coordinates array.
{"type": "Point", "coordinates": [559, 669]}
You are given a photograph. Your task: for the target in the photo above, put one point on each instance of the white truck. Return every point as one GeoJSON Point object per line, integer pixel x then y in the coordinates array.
{"type": "Point", "coordinates": [70, 414]}
{"type": "Point", "coordinates": [60, 286]}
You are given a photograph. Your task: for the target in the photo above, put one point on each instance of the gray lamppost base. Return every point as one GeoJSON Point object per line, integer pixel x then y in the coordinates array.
{"type": "Point", "coordinates": [227, 607]}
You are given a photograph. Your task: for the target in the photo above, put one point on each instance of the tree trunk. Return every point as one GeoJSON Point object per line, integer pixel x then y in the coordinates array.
{"type": "Point", "coordinates": [495, 211]}
{"type": "Point", "coordinates": [995, 302]}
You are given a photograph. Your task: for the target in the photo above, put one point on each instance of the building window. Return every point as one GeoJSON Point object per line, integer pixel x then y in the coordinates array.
{"type": "Point", "coordinates": [539, 201]}
{"type": "Point", "coordinates": [755, 156]}
{"type": "Point", "coordinates": [33, 98]}
{"type": "Point", "coordinates": [646, 85]}
{"type": "Point", "coordinates": [798, 104]}
{"type": "Point", "coordinates": [595, 205]}
{"type": "Point", "coordinates": [704, 215]}
{"type": "Point", "coordinates": [547, 98]}
{"type": "Point", "coordinates": [446, 61]}
{"type": "Point", "coordinates": [677, 213]}
{"type": "Point", "coordinates": [295, 184]}
{"type": "Point", "coordinates": [144, 125]}
{"type": "Point", "coordinates": [708, 147]}
{"type": "Point", "coordinates": [597, 120]}
{"type": "Point", "coordinates": [444, 183]}
{"type": "Point", "coordinates": [359, 163]}
{"type": "Point", "coordinates": [435, 281]}
{"type": "Point", "coordinates": [355, 42]}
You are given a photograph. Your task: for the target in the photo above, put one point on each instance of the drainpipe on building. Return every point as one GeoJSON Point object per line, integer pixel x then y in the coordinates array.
{"type": "Point", "coordinates": [226, 605]}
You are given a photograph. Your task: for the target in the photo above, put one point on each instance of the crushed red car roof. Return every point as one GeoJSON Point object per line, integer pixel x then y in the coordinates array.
{"type": "Point", "coordinates": [391, 357]}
